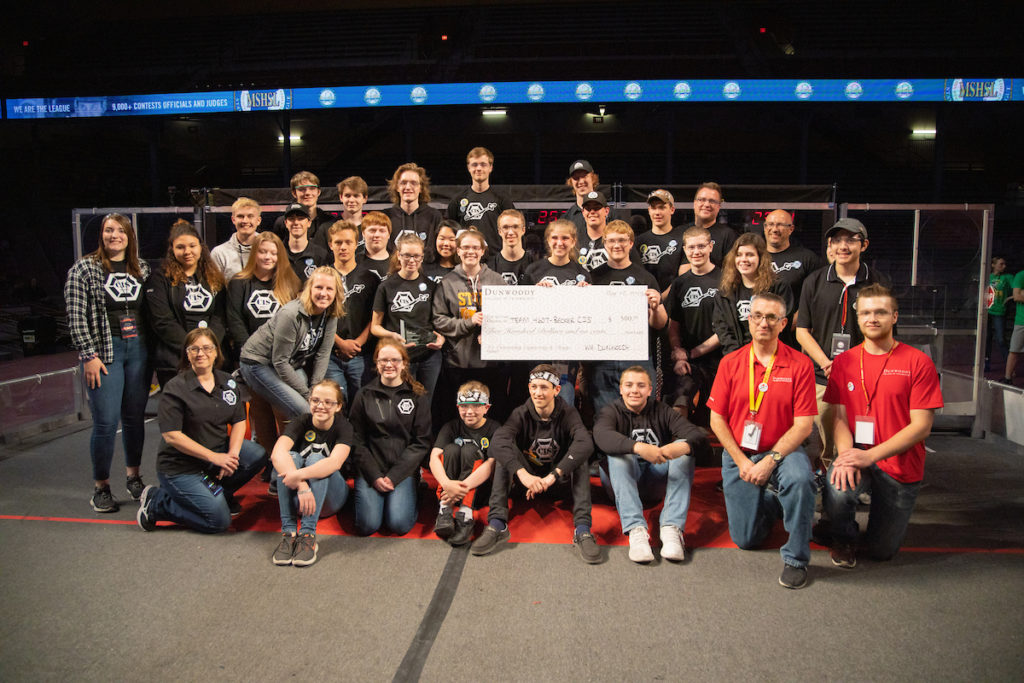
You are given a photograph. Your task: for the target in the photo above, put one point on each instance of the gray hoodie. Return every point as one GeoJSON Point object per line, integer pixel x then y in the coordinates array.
{"type": "Point", "coordinates": [231, 256]}
{"type": "Point", "coordinates": [456, 299]}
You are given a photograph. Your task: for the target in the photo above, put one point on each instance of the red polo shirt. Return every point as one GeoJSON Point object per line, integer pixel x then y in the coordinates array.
{"type": "Point", "coordinates": [790, 392]}
{"type": "Point", "coordinates": [908, 382]}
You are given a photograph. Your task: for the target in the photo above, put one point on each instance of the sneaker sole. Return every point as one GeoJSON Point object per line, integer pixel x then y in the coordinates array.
{"type": "Point", "coordinates": [133, 496]}
{"type": "Point", "coordinates": [115, 508]}
{"type": "Point", "coordinates": [502, 538]}
{"type": "Point", "coordinates": [281, 563]}
{"type": "Point", "coordinates": [306, 563]}
{"type": "Point", "coordinates": [786, 585]}
{"type": "Point", "coordinates": [844, 565]}
{"type": "Point", "coordinates": [139, 514]}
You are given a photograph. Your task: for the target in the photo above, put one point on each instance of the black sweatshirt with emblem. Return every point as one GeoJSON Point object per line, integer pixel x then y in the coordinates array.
{"type": "Point", "coordinates": [526, 440]}
{"type": "Point", "coordinates": [392, 431]}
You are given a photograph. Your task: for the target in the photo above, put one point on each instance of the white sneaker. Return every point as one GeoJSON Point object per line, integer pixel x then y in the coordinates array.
{"type": "Point", "coordinates": [640, 545]}
{"type": "Point", "coordinates": [672, 545]}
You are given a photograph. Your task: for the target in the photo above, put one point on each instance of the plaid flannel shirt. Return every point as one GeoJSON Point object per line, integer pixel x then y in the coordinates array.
{"type": "Point", "coordinates": [87, 311]}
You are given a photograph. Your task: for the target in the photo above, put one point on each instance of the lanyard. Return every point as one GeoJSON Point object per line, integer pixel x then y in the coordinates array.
{"type": "Point", "coordinates": [863, 385]}
{"type": "Point", "coordinates": [846, 294]}
{"type": "Point", "coordinates": [762, 388]}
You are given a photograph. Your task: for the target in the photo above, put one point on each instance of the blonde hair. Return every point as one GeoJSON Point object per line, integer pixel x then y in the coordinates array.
{"type": "Point", "coordinates": [337, 307]}
{"type": "Point", "coordinates": [285, 282]}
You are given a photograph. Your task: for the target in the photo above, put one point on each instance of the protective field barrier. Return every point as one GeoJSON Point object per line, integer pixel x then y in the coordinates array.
{"type": "Point", "coordinates": [937, 257]}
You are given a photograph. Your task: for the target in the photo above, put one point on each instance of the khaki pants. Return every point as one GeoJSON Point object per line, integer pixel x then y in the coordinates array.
{"type": "Point", "coordinates": [824, 422]}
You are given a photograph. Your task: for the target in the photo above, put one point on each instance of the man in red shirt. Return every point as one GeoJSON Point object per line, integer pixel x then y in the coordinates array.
{"type": "Point", "coordinates": [885, 394]}
{"type": "Point", "coordinates": [762, 408]}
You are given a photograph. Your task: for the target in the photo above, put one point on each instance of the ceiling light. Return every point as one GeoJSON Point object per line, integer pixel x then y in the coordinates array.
{"type": "Point", "coordinates": [291, 138]}
{"type": "Point", "coordinates": [497, 111]}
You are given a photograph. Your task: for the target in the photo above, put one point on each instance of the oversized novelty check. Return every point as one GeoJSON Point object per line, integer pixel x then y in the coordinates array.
{"type": "Point", "coordinates": [564, 323]}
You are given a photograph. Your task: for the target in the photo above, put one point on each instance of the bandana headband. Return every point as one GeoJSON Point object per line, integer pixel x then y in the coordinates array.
{"type": "Point", "coordinates": [474, 396]}
{"type": "Point", "coordinates": [547, 376]}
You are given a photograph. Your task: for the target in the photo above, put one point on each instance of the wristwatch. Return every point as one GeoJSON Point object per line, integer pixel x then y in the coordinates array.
{"type": "Point", "coordinates": [774, 455]}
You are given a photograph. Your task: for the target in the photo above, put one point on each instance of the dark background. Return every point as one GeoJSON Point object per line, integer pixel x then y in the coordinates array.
{"type": "Point", "coordinates": [52, 166]}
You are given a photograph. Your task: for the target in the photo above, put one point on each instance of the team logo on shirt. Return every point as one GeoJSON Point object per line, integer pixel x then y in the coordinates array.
{"type": "Point", "coordinates": [694, 295]}
{"type": "Point", "coordinates": [197, 298]}
{"type": "Point", "coordinates": [553, 281]}
{"type": "Point", "coordinates": [310, 267]}
{"type": "Point", "coordinates": [355, 289]}
{"type": "Point", "coordinates": [404, 302]}
{"type": "Point", "coordinates": [593, 259]}
{"type": "Point", "coordinates": [743, 309]}
{"type": "Point", "coordinates": [788, 265]}
{"type": "Point", "coordinates": [645, 436]}
{"type": "Point", "coordinates": [229, 396]}
{"type": "Point", "coordinates": [653, 253]}
{"type": "Point", "coordinates": [406, 406]}
{"type": "Point", "coordinates": [510, 278]}
{"type": "Point", "coordinates": [421, 235]}
{"type": "Point", "coordinates": [122, 287]}
{"type": "Point", "coordinates": [262, 304]}
{"type": "Point", "coordinates": [311, 339]}
{"type": "Point", "coordinates": [542, 450]}
{"type": "Point", "coordinates": [314, 449]}
{"type": "Point", "coordinates": [474, 211]}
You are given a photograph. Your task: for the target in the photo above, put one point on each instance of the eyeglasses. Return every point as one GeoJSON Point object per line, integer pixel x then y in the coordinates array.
{"type": "Point", "coordinates": [697, 247]}
{"type": "Point", "coordinates": [707, 200]}
{"type": "Point", "coordinates": [306, 188]}
{"type": "Point", "coordinates": [389, 361]}
{"type": "Point", "coordinates": [778, 225]}
{"type": "Point", "coordinates": [469, 248]}
{"type": "Point", "coordinates": [848, 241]}
{"type": "Point", "coordinates": [771, 318]}
{"type": "Point", "coordinates": [326, 402]}
{"type": "Point", "coordinates": [195, 350]}
{"type": "Point", "coordinates": [411, 257]}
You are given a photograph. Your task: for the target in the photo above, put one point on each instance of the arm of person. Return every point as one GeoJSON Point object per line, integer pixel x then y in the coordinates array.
{"type": "Point", "coordinates": [705, 347]}
{"type": "Point", "coordinates": [329, 465]}
{"type": "Point", "coordinates": [843, 476]}
{"type": "Point", "coordinates": [236, 322]}
{"type": "Point", "coordinates": [480, 474]}
{"type": "Point", "coordinates": [378, 330]}
{"type": "Point", "coordinates": [787, 443]}
{"type": "Point", "coordinates": [367, 464]}
{"type": "Point", "coordinates": [680, 356]}
{"type": "Point", "coordinates": [581, 446]}
{"type": "Point", "coordinates": [1018, 294]}
{"type": "Point", "coordinates": [453, 490]}
{"type": "Point", "coordinates": [281, 458]}
{"type": "Point", "coordinates": [161, 314]}
{"type": "Point", "coordinates": [811, 348]}
{"type": "Point", "coordinates": [657, 316]}
{"type": "Point", "coordinates": [720, 427]}
{"type": "Point", "coordinates": [446, 316]}
{"type": "Point", "coordinates": [724, 321]}
{"type": "Point", "coordinates": [180, 441]}
{"type": "Point", "coordinates": [917, 430]}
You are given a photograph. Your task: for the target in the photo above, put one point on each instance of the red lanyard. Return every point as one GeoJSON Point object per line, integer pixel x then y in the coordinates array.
{"type": "Point", "coordinates": [863, 384]}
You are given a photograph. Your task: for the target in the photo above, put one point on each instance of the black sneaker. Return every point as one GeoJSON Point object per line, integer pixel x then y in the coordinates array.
{"type": "Point", "coordinates": [444, 527]}
{"type": "Point", "coordinates": [272, 489]}
{"type": "Point", "coordinates": [587, 544]}
{"type": "Point", "coordinates": [103, 501]}
{"type": "Point", "coordinates": [463, 531]}
{"type": "Point", "coordinates": [135, 486]}
{"type": "Point", "coordinates": [793, 577]}
{"type": "Point", "coordinates": [234, 507]}
{"type": "Point", "coordinates": [305, 550]}
{"type": "Point", "coordinates": [489, 540]}
{"type": "Point", "coordinates": [147, 522]}
{"type": "Point", "coordinates": [285, 549]}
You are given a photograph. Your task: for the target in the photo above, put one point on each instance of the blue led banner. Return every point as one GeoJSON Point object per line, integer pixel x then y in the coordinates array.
{"type": "Point", "coordinates": [526, 92]}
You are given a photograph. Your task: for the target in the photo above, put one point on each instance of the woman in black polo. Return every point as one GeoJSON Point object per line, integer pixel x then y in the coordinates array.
{"type": "Point", "coordinates": [185, 293]}
{"type": "Point", "coordinates": [199, 465]}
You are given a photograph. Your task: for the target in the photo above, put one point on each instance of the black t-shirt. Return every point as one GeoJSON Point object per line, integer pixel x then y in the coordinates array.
{"type": "Point", "coordinates": [572, 273]}
{"type": "Point", "coordinates": [378, 268]}
{"type": "Point", "coordinates": [360, 288]}
{"type": "Point", "coordinates": [690, 302]}
{"type": "Point", "coordinates": [435, 272]}
{"type": "Point", "coordinates": [630, 275]}
{"type": "Point", "coordinates": [122, 293]}
{"type": "Point", "coordinates": [456, 432]}
{"type": "Point", "coordinates": [308, 439]}
{"type": "Point", "coordinates": [662, 254]}
{"type": "Point", "coordinates": [307, 260]}
{"type": "Point", "coordinates": [480, 209]}
{"type": "Point", "coordinates": [793, 265]}
{"type": "Point", "coordinates": [310, 343]}
{"type": "Point", "coordinates": [512, 272]}
{"type": "Point", "coordinates": [408, 302]}
{"type": "Point", "coordinates": [255, 300]}
{"type": "Point", "coordinates": [722, 239]}
{"type": "Point", "coordinates": [187, 407]}
{"type": "Point", "coordinates": [198, 303]}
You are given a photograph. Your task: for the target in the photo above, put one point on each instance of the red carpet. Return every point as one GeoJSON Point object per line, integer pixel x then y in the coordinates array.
{"type": "Point", "coordinates": [542, 521]}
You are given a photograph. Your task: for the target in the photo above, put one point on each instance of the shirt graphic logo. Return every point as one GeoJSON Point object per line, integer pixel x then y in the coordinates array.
{"type": "Point", "coordinates": [262, 304]}
{"type": "Point", "coordinates": [310, 267]}
{"type": "Point", "coordinates": [694, 295]}
{"type": "Point", "coordinates": [542, 451]}
{"type": "Point", "coordinates": [653, 253]}
{"type": "Point", "coordinates": [122, 287]}
{"type": "Point", "coordinates": [475, 210]}
{"type": "Point", "coordinates": [510, 278]}
{"type": "Point", "coordinates": [406, 406]}
{"type": "Point", "coordinates": [404, 302]}
{"type": "Point", "coordinates": [645, 436]}
{"type": "Point", "coordinates": [197, 298]}
{"type": "Point", "coordinates": [314, 449]}
{"type": "Point", "coordinates": [594, 259]}
{"type": "Point", "coordinates": [356, 289]}
{"type": "Point", "coordinates": [743, 309]}
{"type": "Point", "coordinates": [788, 265]}
{"type": "Point", "coordinates": [421, 235]}
{"type": "Point", "coordinates": [229, 397]}
{"type": "Point", "coordinates": [553, 280]}
{"type": "Point", "coordinates": [311, 340]}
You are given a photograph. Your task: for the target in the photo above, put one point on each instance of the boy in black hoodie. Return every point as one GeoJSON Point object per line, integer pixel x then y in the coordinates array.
{"type": "Point", "coordinates": [650, 451]}
{"type": "Point", "coordinates": [543, 443]}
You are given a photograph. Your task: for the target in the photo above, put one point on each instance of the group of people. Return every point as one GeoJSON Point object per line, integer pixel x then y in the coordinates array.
{"type": "Point", "coordinates": [1005, 290]}
{"type": "Point", "coordinates": [361, 335]}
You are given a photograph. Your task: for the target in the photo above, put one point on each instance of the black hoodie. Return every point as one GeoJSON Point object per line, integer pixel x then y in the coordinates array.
{"type": "Point", "coordinates": [618, 428]}
{"type": "Point", "coordinates": [392, 430]}
{"type": "Point", "coordinates": [525, 440]}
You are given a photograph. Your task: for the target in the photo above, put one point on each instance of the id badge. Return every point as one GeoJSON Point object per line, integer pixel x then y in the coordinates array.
{"type": "Point", "coordinates": [751, 436]}
{"type": "Point", "coordinates": [840, 343]}
{"type": "Point", "coordinates": [864, 430]}
{"type": "Point", "coordinates": [129, 327]}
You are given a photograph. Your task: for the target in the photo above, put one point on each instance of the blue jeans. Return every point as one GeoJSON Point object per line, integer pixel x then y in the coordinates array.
{"type": "Point", "coordinates": [997, 333]}
{"type": "Point", "coordinates": [752, 510]}
{"type": "Point", "coordinates": [604, 383]}
{"type": "Point", "coordinates": [348, 374]}
{"type": "Point", "coordinates": [186, 500]}
{"type": "Point", "coordinates": [330, 494]}
{"type": "Point", "coordinates": [121, 395]}
{"type": "Point", "coordinates": [264, 380]}
{"type": "Point", "coordinates": [891, 505]}
{"type": "Point", "coordinates": [426, 370]}
{"type": "Point", "coordinates": [395, 510]}
{"type": "Point", "coordinates": [632, 482]}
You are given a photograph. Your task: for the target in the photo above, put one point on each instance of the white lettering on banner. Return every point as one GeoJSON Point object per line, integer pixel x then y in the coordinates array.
{"type": "Point", "coordinates": [581, 323]}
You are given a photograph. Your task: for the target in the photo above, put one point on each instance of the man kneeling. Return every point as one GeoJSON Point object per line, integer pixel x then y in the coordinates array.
{"type": "Point", "coordinates": [543, 443]}
{"type": "Point", "coordinates": [649, 457]}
